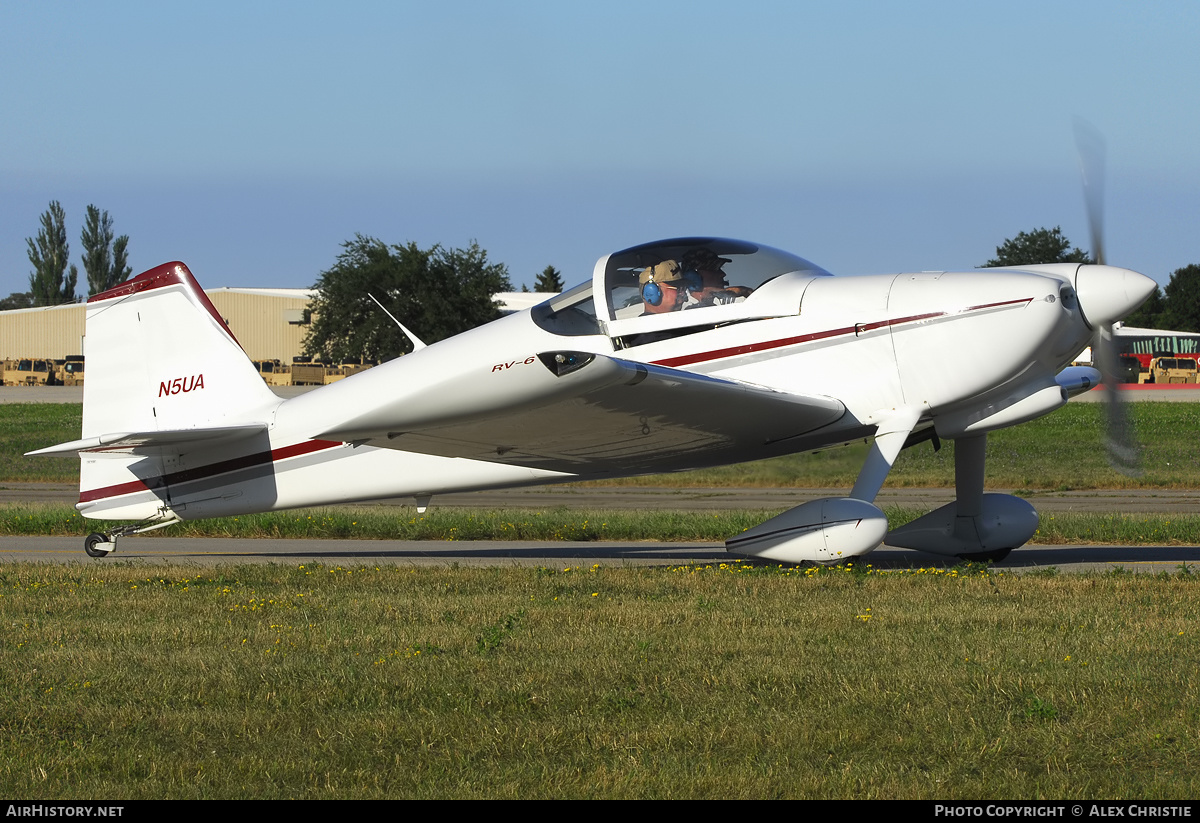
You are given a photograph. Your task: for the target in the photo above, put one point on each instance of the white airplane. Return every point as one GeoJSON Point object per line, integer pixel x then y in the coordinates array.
{"type": "Point", "coordinates": [676, 355]}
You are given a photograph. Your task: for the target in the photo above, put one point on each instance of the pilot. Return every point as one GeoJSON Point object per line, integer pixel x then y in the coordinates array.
{"type": "Point", "coordinates": [663, 287]}
{"type": "Point", "coordinates": [702, 267]}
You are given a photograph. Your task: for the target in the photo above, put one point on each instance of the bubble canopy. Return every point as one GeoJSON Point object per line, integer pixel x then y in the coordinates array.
{"type": "Point", "coordinates": [684, 282]}
{"type": "Point", "coordinates": [744, 265]}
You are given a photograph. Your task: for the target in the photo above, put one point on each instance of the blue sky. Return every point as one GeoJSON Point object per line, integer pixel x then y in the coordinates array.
{"type": "Point", "coordinates": [251, 139]}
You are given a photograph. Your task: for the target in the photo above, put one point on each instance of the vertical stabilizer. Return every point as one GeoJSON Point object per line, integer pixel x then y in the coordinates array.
{"type": "Point", "coordinates": [159, 357]}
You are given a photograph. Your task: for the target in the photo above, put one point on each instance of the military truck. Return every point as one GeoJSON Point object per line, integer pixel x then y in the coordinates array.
{"type": "Point", "coordinates": [349, 366]}
{"type": "Point", "coordinates": [28, 371]}
{"type": "Point", "coordinates": [274, 373]}
{"type": "Point", "coordinates": [307, 373]}
{"type": "Point", "coordinates": [69, 371]}
{"type": "Point", "coordinates": [1168, 370]}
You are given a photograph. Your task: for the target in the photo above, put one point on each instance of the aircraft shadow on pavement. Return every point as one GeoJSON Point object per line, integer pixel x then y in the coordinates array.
{"type": "Point", "coordinates": [1064, 557]}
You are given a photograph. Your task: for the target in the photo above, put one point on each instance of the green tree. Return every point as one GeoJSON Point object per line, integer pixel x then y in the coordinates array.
{"type": "Point", "coordinates": [436, 292]}
{"type": "Point", "coordinates": [1181, 311]}
{"type": "Point", "coordinates": [550, 280]}
{"type": "Point", "coordinates": [17, 300]}
{"type": "Point", "coordinates": [1037, 246]}
{"type": "Point", "coordinates": [121, 270]}
{"type": "Point", "coordinates": [51, 283]}
{"type": "Point", "coordinates": [104, 259]}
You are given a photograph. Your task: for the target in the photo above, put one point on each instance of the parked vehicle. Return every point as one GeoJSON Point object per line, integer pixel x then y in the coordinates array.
{"type": "Point", "coordinates": [28, 371]}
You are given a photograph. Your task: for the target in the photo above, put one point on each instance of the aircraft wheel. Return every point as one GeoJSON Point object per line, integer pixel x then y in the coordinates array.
{"type": "Point", "coordinates": [993, 556]}
{"type": "Point", "coordinates": [98, 545]}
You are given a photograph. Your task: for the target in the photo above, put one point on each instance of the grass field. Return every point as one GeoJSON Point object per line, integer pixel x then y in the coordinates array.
{"type": "Point", "coordinates": [123, 682]}
{"type": "Point", "coordinates": [320, 682]}
{"type": "Point", "coordinates": [25, 427]}
{"type": "Point", "coordinates": [1063, 450]}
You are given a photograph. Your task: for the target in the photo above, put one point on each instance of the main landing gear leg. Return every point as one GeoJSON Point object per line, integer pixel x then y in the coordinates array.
{"type": "Point", "coordinates": [975, 526]}
{"type": "Point", "coordinates": [969, 454]}
{"type": "Point", "coordinates": [102, 544]}
{"type": "Point", "coordinates": [885, 448]}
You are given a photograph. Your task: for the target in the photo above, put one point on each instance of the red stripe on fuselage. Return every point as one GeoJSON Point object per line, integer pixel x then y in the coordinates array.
{"type": "Point", "coordinates": [767, 345]}
{"type": "Point", "coordinates": [1025, 300]}
{"type": "Point", "coordinates": [203, 472]}
{"type": "Point", "coordinates": [748, 348]}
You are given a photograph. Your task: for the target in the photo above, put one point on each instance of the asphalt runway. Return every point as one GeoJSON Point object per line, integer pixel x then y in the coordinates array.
{"type": "Point", "coordinates": [205, 552]}
{"type": "Point", "coordinates": [195, 551]}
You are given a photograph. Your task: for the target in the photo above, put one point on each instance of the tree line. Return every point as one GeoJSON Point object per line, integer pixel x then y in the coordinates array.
{"type": "Point", "coordinates": [53, 279]}
{"type": "Point", "coordinates": [1176, 308]}
{"type": "Point", "coordinates": [443, 291]}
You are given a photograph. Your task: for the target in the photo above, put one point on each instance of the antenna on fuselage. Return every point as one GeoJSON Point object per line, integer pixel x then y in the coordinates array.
{"type": "Point", "coordinates": [416, 341]}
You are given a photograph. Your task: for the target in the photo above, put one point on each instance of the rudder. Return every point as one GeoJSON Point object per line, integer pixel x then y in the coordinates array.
{"type": "Point", "coordinates": [159, 357]}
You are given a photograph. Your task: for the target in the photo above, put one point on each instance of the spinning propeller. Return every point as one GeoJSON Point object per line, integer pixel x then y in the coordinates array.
{"type": "Point", "coordinates": [1111, 291]}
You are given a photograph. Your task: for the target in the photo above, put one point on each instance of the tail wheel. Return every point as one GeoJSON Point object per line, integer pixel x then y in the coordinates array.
{"type": "Point", "coordinates": [98, 545]}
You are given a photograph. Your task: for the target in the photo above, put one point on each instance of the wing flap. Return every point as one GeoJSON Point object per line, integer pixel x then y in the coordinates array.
{"type": "Point", "coordinates": [607, 415]}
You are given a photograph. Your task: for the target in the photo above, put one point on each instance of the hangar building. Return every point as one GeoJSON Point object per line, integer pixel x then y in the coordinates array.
{"type": "Point", "coordinates": [269, 323]}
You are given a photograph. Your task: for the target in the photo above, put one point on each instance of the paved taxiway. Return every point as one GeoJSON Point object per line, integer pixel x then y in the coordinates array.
{"type": "Point", "coordinates": [202, 552]}
{"type": "Point", "coordinates": [197, 551]}
{"type": "Point", "coordinates": [211, 551]}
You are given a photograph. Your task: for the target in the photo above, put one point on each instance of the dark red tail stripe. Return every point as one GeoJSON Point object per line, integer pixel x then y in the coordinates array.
{"type": "Point", "coordinates": [202, 472]}
{"type": "Point", "coordinates": [168, 274]}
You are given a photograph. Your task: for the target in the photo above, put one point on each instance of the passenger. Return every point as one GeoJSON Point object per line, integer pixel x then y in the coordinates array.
{"type": "Point", "coordinates": [702, 267]}
{"type": "Point", "coordinates": [662, 287]}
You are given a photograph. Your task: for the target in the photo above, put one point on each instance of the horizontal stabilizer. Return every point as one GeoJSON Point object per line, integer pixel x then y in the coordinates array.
{"type": "Point", "coordinates": [180, 440]}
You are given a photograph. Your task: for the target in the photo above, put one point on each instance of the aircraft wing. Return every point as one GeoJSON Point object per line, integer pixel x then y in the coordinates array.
{"type": "Point", "coordinates": [590, 412]}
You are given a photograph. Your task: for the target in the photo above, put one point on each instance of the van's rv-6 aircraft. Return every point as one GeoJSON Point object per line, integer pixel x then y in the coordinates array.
{"type": "Point", "coordinates": [676, 355]}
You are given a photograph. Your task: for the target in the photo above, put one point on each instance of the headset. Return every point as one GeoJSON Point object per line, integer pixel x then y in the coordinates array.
{"type": "Point", "coordinates": [652, 292]}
